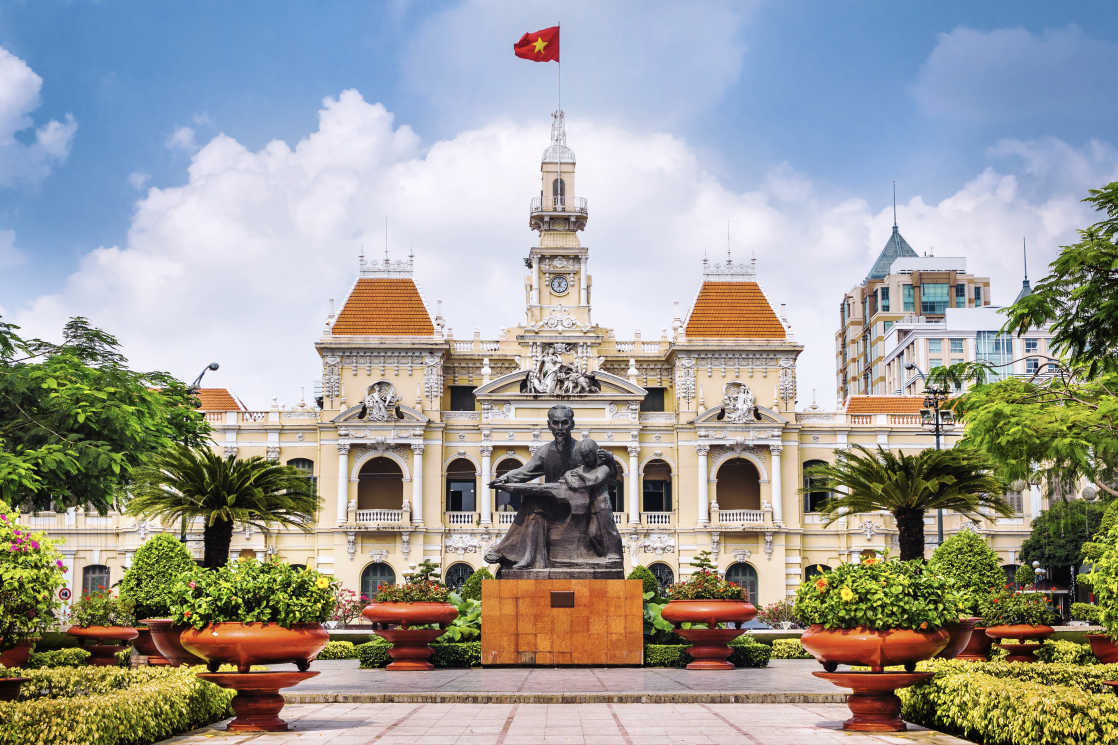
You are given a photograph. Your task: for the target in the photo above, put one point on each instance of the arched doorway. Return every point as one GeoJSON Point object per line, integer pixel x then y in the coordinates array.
{"type": "Point", "coordinates": [507, 502]}
{"type": "Point", "coordinates": [745, 575]}
{"type": "Point", "coordinates": [663, 574]}
{"type": "Point", "coordinates": [457, 575]}
{"type": "Point", "coordinates": [380, 485]}
{"type": "Point", "coordinates": [814, 493]}
{"type": "Point", "coordinates": [814, 570]}
{"type": "Point", "coordinates": [461, 486]}
{"type": "Point", "coordinates": [657, 496]}
{"type": "Point", "coordinates": [377, 573]}
{"type": "Point", "coordinates": [95, 578]}
{"type": "Point", "coordinates": [739, 485]}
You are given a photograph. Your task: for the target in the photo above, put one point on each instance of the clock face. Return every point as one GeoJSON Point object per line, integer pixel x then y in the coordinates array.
{"type": "Point", "coordinates": [559, 285]}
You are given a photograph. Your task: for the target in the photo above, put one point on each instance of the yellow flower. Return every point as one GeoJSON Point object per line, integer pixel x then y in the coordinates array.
{"type": "Point", "coordinates": [322, 583]}
{"type": "Point", "coordinates": [847, 594]}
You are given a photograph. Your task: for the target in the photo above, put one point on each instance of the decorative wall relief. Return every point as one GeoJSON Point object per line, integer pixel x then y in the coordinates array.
{"type": "Point", "coordinates": [738, 404]}
{"type": "Point", "coordinates": [381, 403]}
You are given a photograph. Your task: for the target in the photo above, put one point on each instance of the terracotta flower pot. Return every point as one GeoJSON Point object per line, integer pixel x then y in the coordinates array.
{"type": "Point", "coordinates": [960, 637]}
{"type": "Point", "coordinates": [710, 646]}
{"type": "Point", "coordinates": [16, 656]}
{"type": "Point", "coordinates": [9, 688]}
{"type": "Point", "coordinates": [977, 648]}
{"type": "Point", "coordinates": [145, 646]}
{"type": "Point", "coordinates": [410, 647]}
{"type": "Point", "coordinates": [1024, 633]}
{"type": "Point", "coordinates": [165, 636]}
{"type": "Point", "coordinates": [103, 642]}
{"type": "Point", "coordinates": [248, 644]}
{"type": "Point", "coordinates": [876, 649]}
{"type": "Point", "coordinates": [1103, 647]}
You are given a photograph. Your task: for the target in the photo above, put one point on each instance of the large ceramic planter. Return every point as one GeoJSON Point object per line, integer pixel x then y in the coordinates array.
{"type": "Point", "coordinates": [258, 701]}
{"type": "Point", "coordinates": [165, 637]}
{"type": "Point", "coordinates": [103, 642]}
{"type": "Point", "coordinates": [961, 633]}
{"type": "Point", "coordinates": [709, 648]}
{"type": "Point", "coordinates": [9, 688]}
{"type": "Point", "coordinates": [248, 644]}
{"type": "Point", "coordinates": [17, 656]}
{"type": "Point", "coordinates": [876, 649]}
{"type": "Point", "coordinates": [1030, 637]}
{"type": "Point", "coordinates": [1103, 647]}
{"type": "Point", "coordinates": [411, 648]}
{"type": "Point", "coordinates": [874, 705]}
{"type": "Point", "coordinates": [977, 648]}
{"type": "Point", "coordinates": [145, 646]}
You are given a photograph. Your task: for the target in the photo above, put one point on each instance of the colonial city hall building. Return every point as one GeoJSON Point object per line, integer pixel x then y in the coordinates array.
{"type": "Point", "coordinates": [413, 423]}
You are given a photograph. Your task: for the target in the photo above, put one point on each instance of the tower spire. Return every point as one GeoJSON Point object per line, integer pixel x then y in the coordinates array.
{"type": "Point", "coordinates": [1026, 288]}
{"type": "Point", "coordinates": [894, 206]}
{"type": "Point", "coordinates": [1025, 258]}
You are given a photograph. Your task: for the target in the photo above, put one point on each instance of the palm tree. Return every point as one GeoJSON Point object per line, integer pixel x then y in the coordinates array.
{"type": "Point", "coordinates": [186, 483]}
{"type": "Point", "coordinates": [862, 480]}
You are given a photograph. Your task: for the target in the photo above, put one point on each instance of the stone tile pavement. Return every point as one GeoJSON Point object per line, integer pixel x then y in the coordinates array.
{"type": "Point", "coordinates": [564, 724]}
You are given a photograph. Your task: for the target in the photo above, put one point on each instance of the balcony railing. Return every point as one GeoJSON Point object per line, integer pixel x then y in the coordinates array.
{"type": "Point", "coordinates": [505, 518]}
{"type": "Point", "coordinates": [656, 518]}
{"type": "Point", "coordinates": [380, 516]}
{"type": "Point", "coordinates": [461, 518]}
{"type": "Point", "coordinates": [741, 516]}
{"type": "Point", "coordinates": [574, 204]}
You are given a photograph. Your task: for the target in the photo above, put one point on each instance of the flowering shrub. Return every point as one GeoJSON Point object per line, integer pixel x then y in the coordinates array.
{"type": "Point", "coordinates": [253, 592]}
{"type": "Point", "coordinates": [780, 612]}
{"type": "Point", "coordinates": [420, 587]}
{"type": "Point", "coordinates": [877, 594]}
{"type": "Point", "coordinates": [705, 583]}
{"type": "Point", "coordinates": [101, 608]}
{"type": "Point", "coordinates": [31, 573]}
{"type": "Point", "coordinates": [348, 605]}
{"type": "Point", "coordinates": [1007, 607]}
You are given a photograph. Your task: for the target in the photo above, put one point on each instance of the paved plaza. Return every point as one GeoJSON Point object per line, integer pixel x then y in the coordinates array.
{"type": "Point", "coordinates": [564, 724]}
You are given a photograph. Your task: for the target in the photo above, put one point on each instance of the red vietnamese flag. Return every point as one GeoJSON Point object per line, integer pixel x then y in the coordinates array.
{"type": "Point", "coordinates": [539, 46]}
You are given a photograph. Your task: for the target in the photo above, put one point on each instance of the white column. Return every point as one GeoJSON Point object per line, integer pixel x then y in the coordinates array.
{"type": "Point", "coordinates": [535, 282]}
{"type": "Point", "coordinates": [704, 484]}
{"type": "Point", "coordinates": [582, 282]}
{"type": "Point", "coordinates": [343, 483]}
{"type": "Point", "coordinates": [417, 483]}
{"type": "Point", "coordinates": [484, 492]}
{"type": "Point", "coordinates": [634, 485]}
{"type": "Point", "coordinates": [774, 480]}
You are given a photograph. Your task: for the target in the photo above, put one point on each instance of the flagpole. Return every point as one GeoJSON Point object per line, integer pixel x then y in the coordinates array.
{"type": "Point", "coordinates": [559, 95]}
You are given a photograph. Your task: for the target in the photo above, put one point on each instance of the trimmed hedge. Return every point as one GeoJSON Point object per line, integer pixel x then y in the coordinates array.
{"type": "Point", "coordinates": [1002, 703]}
{"type": "Point", "coordinates": [1088, 612]}
{"type": "Point", "coordinates": [109, 706]}
{"type": "Point", "coordinates": [340, 650]}
{"type": "Point", "coordinates": [50, 640]}
{"type": "Point", "coordinates": [1070, 653]}
{"type": "Point", "coordinates": [745, 652]}
{"type": "Point", "coordinates": [70, 657]}
{"type": "Point", "coordinates": [455, 654]}
{"type": "Point", "coordinates": [789, 649]}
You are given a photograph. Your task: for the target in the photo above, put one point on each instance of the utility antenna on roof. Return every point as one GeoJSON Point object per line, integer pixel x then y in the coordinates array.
{"type": "Point", "coordinates": [386, 240]}
{"type": "Point", "coordinates": [729, 258]}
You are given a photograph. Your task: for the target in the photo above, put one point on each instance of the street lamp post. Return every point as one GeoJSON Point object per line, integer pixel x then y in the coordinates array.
{"type": "Point", "coordinates": [934, 396]}
{"type": "Point", "coordinates": [192, 389]}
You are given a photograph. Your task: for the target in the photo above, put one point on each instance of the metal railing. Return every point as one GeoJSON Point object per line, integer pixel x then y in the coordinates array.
{"type": "Point", "coordinates": [574, 204]}
{"type": "Point", "coordinates": [380, 516]}
{"type": "Point", "coordinates": [741, 516]}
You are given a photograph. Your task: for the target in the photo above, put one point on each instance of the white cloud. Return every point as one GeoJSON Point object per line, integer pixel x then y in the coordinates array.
{"type": "Point", "coordinates": [9, 255]}
{"type": "Point", "coordinates": [182, 139]}
{"type": "Point", "coordinates": [237, 264]}
{"type": "Point", "coordinates": [27, 158]}
{"type": "Point", "coordinates": [1012, 74]}
{"type": "Point", "coordinates": [138, 180]}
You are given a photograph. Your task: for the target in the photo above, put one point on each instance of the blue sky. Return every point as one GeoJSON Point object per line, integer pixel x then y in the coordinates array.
{"type": "Point", "coordinates": [789, 120]}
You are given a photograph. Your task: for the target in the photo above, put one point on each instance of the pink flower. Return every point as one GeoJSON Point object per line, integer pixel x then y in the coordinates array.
{"type": "Point", "coordinates": [191, 585]}
{"type": "Point", "coordinates": [59, 563]}
{"type": "Point", "coordinates": [34, 545]}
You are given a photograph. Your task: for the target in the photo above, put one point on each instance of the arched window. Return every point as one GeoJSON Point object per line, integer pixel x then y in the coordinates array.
{"type": "Point", "coordinates": [298, 567]}
{"type": "Point", "coordinates": [95, 578]}
{"type": "Point", "coordinates": [380, 485]}
{"type": "Point", "coordinates": [815, 570]}
{"type": "Point", "coordinates": [559, 192]}
{"type": "Point", "coordinates": [507, 502]}
{"type": "Point", "coordinates": [461, 486]}
{"type": "Point", "coordinates": [814, 493]}
{"type": "Point", "coordinates": [745, 575]}
{"type": "Point", "coordinates": [657, 495]}
{"type": "Point", "coordinates": [377, 573]}
{"type": "Point", "coordinates": [739, 485]}
{"type": "Point", "coordinates": [457, 575]}
{"type": "Point", "coordinates": [617, 492]}
{"type": "Point", "coordinates": [663, 574]}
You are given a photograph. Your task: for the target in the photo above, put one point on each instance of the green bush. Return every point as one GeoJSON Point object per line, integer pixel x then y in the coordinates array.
{"type": "Point", "coordinates": [338, 651]}
{"type": "Point", "coordinates": [156, 568]}
{"type": "Point", "coordinates": [374, 653]}
{"type": "Point", "coordinates": [789, 649]}
{"type": "Point", "coordinates": [109, 706]}
{"type": "Point", "coordinates": [71, 657]}
{"type": "Point", "coordinates": [56, 640]}
{"type": "Point", "coordinates": [1066, 652]}
{"type": "Point", "coordinates": [253, 592]}
{"type": "Point", "coordinates": [648, 580]}
{"type": "Point", "coordinates": [1024, 576]}
{"type": "Point", "coordinates": [1088, 612]}
{"type": "Point", "coordinates": [1104, 580]}
{"type": "Point", "coordinates": [471, 589]}
{"type": "Point", "coordinates": [1039, 705]}
{"type": "Point", "coordinates": [464, 654]}
{"type": "Point", "coordinates": [745, 652]}
{"type": "Point", "coordinates": [1009, 607]}
{"type": "Point", "coordinates": [666, 655]}
{"type": "Point", "coordinates": [970, 566]}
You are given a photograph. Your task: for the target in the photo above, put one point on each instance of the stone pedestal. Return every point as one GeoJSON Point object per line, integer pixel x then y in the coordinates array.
{"type": "Point", "coordinates": [562, 622]}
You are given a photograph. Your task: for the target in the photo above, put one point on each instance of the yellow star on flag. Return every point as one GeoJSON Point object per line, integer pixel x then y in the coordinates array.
{"type": "Point", "coordinates": [539, 44]}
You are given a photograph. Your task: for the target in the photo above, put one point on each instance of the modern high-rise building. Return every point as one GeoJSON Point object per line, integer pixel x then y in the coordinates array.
{"type": "Point", "coordinates": [901, 286]}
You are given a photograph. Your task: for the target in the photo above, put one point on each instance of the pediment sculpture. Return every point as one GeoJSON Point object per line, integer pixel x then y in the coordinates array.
{"type": "Point", "coordinates": [551, 376]}
{"type": "Point", "coordinates": [381, 403]}
{"type": "Point", "coordinates": [738, 404]}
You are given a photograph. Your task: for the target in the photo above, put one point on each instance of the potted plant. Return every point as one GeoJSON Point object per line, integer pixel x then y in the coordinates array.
{"type": "Point", "coordinates": [31, 573]}
{"type": "Point", "coordinates": [973, 571]}
{"type": "Point", "coordinates": [699, 606]}
{"type": "Point", "coordinates": [779, 615]}
{"type": "Point", "coordinates": [104, 622]}
{"type": "Point", "coordinates": [348, 606]}
{"type": "Point", "coordinates": [249, 613]}
{"type": "Point", "coordinates": [1023, 616]}
{"type": "Point", "coordinates": [418, 611]}
{"type": "Point", "coordinates": [149, 585]}
{"type": "Point", "coordinates": [10, 681]}
{"type": "Point", "coordinates": [1102, 553]}
{"type": "Point", "coordinates": [876, 612]}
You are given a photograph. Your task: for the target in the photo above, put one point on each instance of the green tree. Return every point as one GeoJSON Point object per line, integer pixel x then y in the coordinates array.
{"type": "Point", "coordinates": [185, 483]}
{"type": "Point", "coordinates": [471, 589]}
{"type": "Point", "coordinates": [75, 421]}
{"type": "Point", "coordinates": [863, 480]}
{"type": "Point", "coordinates": [967, 562]}
{"type": "Point", "coordinates": [649, 583]}
{"type": "Point", "coordinates": [149, 582]}
{"type": "Point", "coordinates": [1058, 536]}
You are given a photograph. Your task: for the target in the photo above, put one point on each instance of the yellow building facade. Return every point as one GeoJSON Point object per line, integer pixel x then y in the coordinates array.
{"type": "Point", "coordinates": [413, 423]}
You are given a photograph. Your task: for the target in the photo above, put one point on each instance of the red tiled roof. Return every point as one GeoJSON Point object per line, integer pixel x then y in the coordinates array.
{"type": "Point", "coordinates": [733, 309]}
{"type": "Point", "coordinates": [884, 404]}
{"type": "Point", "coordinates": [217, 399]}
{"type": "Point", "coordinates": [384, 306]}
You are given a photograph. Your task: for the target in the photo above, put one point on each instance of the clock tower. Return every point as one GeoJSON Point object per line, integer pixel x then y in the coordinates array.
{"type": "Point", "coordinates": [557, 285]}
